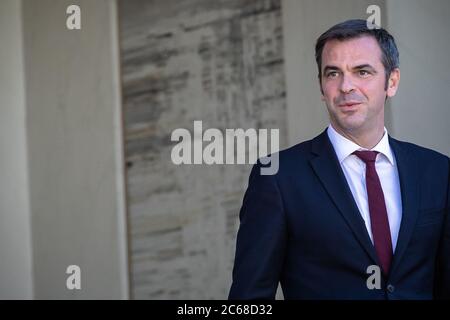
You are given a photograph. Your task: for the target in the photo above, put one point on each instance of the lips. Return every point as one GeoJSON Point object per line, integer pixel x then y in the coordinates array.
{"type": "Point", "coordinates": [349, 107]}
{"type": "Point", "coordinates": [349, 104]}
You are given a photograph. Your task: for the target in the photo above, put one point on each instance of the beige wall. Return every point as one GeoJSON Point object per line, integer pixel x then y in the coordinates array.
{"type": "Point", "coordinates": [421, 108]}
{"type": "Point", "coordinates": [15, 237]}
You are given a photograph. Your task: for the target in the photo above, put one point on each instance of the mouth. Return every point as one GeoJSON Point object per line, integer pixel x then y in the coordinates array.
{"type": "Point", "coordinates": [349, 106]}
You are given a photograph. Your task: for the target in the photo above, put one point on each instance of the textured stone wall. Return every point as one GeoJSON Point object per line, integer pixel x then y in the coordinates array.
{"type": "Point", "coordinates": [217, 61]}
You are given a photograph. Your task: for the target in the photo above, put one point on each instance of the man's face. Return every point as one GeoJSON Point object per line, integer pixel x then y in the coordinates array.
{"type": "Point", "coordinates": [353, 84]}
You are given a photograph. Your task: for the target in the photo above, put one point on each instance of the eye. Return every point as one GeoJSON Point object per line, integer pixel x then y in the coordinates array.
{"type": "Point", "coordinates": [332, 74]}
{"type": "Point", "coordinates": [363, 73]}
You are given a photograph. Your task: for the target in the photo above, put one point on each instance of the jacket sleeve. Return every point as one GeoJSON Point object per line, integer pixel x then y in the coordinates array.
{"type": "Point", "coordinates": [442, 284]}
{"type": "Point", "coordinates": [261, 239]}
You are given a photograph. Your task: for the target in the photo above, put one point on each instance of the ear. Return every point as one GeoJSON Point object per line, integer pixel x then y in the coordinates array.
{"type": "Point", "coordinates": [321, 90]}
{"type": "Point", "coordinates": [393, 82]}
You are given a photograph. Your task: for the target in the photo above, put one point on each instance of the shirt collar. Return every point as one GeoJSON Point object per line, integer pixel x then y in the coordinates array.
{"type": "Point", "coordinates": [345, 147]}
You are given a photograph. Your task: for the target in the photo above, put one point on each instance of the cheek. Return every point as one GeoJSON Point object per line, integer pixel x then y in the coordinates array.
{"type": "Point", "coordinates": [377, 85]}
{"type": "Point", "coordinates": [377, 95]}
{"type": "Point", "coordinates": [373, 91]}
{"type": "Point", "coordinates": [329, 90]}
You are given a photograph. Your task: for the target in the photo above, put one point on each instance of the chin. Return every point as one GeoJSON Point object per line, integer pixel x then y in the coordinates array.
{"type": "Point", "coordinates": [351, 125]}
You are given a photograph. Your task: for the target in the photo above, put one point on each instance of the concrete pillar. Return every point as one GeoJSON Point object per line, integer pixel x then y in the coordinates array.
{"type": "Point", "coordinates": [15, 226]}
{"type": "Point", "coordinates": [75, 151]}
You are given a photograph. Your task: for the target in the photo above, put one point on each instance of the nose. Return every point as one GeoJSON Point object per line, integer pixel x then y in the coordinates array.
{"type": "Point", "coordinates": [347, 85]}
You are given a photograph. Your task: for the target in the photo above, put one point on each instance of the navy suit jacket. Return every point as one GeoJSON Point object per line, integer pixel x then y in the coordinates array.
{"type": "Point", "coordinates": [301, 227]}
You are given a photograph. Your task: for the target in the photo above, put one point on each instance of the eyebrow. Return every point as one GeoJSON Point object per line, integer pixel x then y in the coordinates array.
{"type": "Point", "coordinates": [358, 67]}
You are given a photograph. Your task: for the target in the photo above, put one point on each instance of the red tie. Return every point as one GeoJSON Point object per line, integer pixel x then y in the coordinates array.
{"type": "Point", "coordinates": [377, 208]}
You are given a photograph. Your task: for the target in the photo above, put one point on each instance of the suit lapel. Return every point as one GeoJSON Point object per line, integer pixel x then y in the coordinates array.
{"type": "Point", "coordinates": [407, 170]}
{"type": "Point", "coordinates": [327, 168]}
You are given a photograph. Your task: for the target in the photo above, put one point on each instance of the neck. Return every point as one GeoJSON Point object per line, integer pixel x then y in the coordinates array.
{"type": "Point", "coordinates": [367, 139]}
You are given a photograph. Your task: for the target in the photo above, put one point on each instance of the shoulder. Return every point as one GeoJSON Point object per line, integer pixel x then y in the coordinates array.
{"type": "Point", "coordinates": [305, 150]}
{"type": "Point", "coordinates": [419, 151]}
{"type": "Point", "coordinates": [294, 159]}
{"type": "Point", "coordinates": [298, 151]}
{"type": "Point", "coordinates": [426, 157]}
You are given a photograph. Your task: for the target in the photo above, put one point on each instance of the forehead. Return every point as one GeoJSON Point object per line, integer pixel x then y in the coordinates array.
{"type": "Point", "coordinates": [355, 51]}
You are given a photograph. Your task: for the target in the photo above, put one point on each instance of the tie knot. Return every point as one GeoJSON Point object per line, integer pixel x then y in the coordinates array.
{"type": "Point", "coordinates": [366, 156]}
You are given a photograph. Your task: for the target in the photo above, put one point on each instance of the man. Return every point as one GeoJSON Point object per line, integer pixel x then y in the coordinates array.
{"type": "Point", "coordinates": [353, 200]}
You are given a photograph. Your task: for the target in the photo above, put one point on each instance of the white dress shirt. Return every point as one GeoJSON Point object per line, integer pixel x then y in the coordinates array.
{"type": "Point", "coordinates": [355, 173]}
